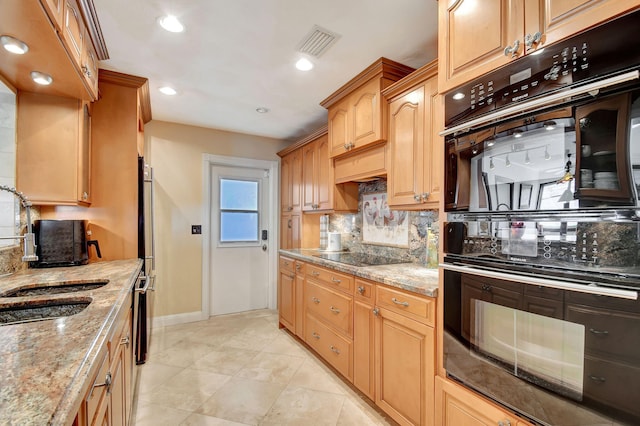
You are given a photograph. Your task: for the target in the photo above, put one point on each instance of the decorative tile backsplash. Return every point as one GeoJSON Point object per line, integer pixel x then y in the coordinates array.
{"type": "Point", "coordinates": [350, 225]}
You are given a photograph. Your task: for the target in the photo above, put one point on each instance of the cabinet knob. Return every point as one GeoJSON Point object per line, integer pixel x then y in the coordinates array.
{"type": "Point", "coordinates": [425, 196]}
{"type": "Point", "coordinates": [334, 310]}
{"type": "Point", "coordinates": [376, 311]}
{"type": "Point", "coordinates": [86, 71]}
{"type": "Point", "coordinates": [504, 423]}
{"type": "Point", "coordinates": [512, 50]}
{"type": "Point", "coordinates": [125, 341]}
{"type": "Point", "coordinates": [417, 197]}
{"type": "Point", "coordinates": [315, 335]}
{"type": "Point", "coordinates": [532, 40]}
{"type": "Point", "coordinates": [360, 289]}
{"type": "Point", "coordinates": [85, 195]}
{"type": "Point", "coordinates": [334, 350]}
{"type": "Point", "coordinates": [315, 300]}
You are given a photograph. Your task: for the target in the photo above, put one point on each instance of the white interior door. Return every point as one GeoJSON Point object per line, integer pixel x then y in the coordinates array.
{"type": "Point", "coordinates": [239, 259]}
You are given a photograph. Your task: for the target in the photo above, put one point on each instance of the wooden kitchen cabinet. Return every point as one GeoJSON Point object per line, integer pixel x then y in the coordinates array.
{"type": "Point", "coordinates": [291, 182]}
{"type": "Point", "coordinates": [300, 270]}
{"type": "Point", "coordinates": [363, 337]}
{"type": "Point", "coordinates": [357, 111]}
{"type": "Point", "coordinates": [457, 406]}
{"type": "Point", "coordinates": [319, 191]}
{"type": "Point", "coordinates": [290, 230]}
{"type": "Point", "coordinates": [54, 149]}
{"type": "Point", "coordinates": [474, 39]}
{"type": "Point", "coordinates": [405, 356]}
{"type": "Point", "coordinates": [415, 148]}
{"type": "Point", "coordinates": [287, 293]}
{"type": "Point", "coordinates": [54, 9]}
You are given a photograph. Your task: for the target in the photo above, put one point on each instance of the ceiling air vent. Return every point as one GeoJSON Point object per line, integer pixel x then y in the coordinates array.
{"type": "Point", "coordinates": [317, 41]}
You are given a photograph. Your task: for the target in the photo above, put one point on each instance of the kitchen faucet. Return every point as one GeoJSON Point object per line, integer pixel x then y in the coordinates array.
{"type": "Point", "coordinates": [28, 237]}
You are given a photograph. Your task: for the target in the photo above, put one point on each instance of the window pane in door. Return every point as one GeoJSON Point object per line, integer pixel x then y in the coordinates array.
{"type": "Point", "coordinates": [238, 226]}
{"type": "Point", "coordinates": [238, 194]}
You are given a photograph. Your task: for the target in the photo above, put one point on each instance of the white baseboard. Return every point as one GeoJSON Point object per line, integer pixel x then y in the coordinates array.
{"type": "Point", "coordinates": [179, 318]}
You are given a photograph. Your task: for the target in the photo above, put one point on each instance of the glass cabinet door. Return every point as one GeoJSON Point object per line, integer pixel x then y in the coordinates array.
{"type": "Point", "coordinates": [602, 170]}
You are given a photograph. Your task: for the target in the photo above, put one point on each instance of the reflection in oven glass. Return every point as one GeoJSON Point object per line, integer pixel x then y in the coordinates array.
{"type": "Point", "coordinates": [546, 351]}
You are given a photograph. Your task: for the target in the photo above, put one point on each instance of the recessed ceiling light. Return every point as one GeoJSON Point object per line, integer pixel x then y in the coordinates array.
{"type": "Point", "coordinates": [14, 45]}
{"type": "Point", "coordinates": [458, 96]}
{"type": "Point", "coordinates": [171, 24]}
{"type": "Point", "coordinates": [262, 110]}
{"type": "Point", "coordinates": [304, 64]}
{"type": "Point", "coordinates": [41, 78]}
{"type": "Point", "coordinates": [166, 90]}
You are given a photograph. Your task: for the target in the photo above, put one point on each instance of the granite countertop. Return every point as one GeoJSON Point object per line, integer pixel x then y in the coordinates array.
{"type": "Point", "coordinates": [412, 277]}
{"type": "Point", "coordinates": [46, 365]}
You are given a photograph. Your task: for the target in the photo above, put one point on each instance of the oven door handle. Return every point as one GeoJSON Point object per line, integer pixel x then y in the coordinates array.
{"type": "Point", "coordinates": [592, 288]}
{"type": "Point", "coordinates": [519, 108]}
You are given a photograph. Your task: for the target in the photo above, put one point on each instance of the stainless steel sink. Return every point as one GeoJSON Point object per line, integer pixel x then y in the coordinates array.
{"type": "Point", "coordinates": [14, 312]}
{"type": "Point", "coordinates": [39, 289]}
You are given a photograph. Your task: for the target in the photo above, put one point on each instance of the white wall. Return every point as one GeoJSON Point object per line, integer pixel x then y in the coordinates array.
{"type": "Point", "coordinates": [175, 153]}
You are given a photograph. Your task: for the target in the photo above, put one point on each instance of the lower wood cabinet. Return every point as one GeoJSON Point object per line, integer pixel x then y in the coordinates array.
{"type": "Point", "coordinates": [458, 406]}
{"type": "Point", "coordinates": [286, 293]}
{"type": "Point", "coordinates": [109, 398]}
{"type": "Point", "coordinates": [363, 337]}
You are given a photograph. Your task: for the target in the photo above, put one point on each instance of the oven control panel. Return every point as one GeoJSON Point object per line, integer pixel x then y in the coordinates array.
{"type": "Point", "coordinates": [565, 244]}
{"type": "Point", "coordinates": [584, 57]}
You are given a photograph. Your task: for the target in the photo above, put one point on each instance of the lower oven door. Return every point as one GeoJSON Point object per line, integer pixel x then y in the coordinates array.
{"type": "Point", "coordinates": [543, 348]}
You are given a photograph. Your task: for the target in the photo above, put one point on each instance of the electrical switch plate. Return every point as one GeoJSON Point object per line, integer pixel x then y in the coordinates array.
{"type": "Point", "coordinates": [196, 229]}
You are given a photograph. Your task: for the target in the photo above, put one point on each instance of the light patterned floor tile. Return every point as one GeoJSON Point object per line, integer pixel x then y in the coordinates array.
{"type": "Point", "coordinates": [276, 368]}
{"type": "Point", "coordinates": [158, 415]}
{"type": "Point", "coordinates": [303, 407]}
{"type": "Point", "coordinates": [202, 420]}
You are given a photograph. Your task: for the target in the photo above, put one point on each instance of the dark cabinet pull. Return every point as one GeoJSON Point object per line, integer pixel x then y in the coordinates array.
{"type": "Point", "coordinates": [599, 332]}
{"type": "Point", "coordinates": [598, 379]}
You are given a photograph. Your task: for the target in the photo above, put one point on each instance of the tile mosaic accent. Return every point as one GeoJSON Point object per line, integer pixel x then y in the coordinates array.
{"type": "Point", "coordinates": [350, 225]}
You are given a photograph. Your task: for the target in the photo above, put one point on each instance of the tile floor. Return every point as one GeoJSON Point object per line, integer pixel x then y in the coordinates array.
{"type": "Point", "coordinates": [240, 369]}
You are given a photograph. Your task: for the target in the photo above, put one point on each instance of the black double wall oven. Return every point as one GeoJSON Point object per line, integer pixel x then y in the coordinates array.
{"type": "Point", "coordinates": [542, 236]}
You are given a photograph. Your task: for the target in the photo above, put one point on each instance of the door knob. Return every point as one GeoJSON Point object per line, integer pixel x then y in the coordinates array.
{"type": "Point", "coordinates": [264, 247]}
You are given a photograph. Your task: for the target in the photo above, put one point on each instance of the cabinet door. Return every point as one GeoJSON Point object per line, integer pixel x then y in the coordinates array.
{"type": "Point", "coordinates": [286, 300]}
{"type": "Point", "coordinates": [285, 184]}
{"type": "Point", "coordinates": [405, 368]}
{"type": "Point", "coordinates": [406, 133]}
{"type": "Point", "coordinates": [433, 143]}
{"type": "Point", "coordinates": [84, 155]}
{"type": "Point", "coordinates": [472, 37]}
{"type": "Point", "coordinates": [299, 298]}
{"type": "Point", "coordinates": [309, 177]}
{"type": "Point", "coordinates": [366, 114]}
{"type": "Point", "coordinates": [363, 349]}
{"type": "Point", "coordinates": [324, 184]}
{"type": "Point", "coordinates": [89, 66]}
{"type": "Point", "coordinates": [295, 180]}
{"type": "Point", "coordinates": [339, 132]}
{"type": "Point", "coordinates": [54, 9]}
{"type": "Point", "coordinates": [73, 32]}
{"type": "Point", "coordinates": [457, 406]}
{"type": "Point", "coordinates": [559, 19]}
{"type": "Point", "coordinates": [118, 410]}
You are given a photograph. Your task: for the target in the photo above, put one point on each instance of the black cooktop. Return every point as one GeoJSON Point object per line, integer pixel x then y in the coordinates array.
{"type": "Point", "coordinates": [359, 259]}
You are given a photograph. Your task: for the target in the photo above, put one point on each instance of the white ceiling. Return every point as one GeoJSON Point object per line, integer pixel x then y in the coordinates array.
{"type": "Point", "coordinates": [237, 55]}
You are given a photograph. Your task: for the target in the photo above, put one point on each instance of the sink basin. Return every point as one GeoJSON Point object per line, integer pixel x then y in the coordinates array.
{"type": "Point", "coordinates": [39, 289]}
{"type": "Point", "coordinates": [19, 312]}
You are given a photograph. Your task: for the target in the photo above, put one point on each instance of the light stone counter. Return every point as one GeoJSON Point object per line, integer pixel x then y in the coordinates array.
{"type": "Point", "coordinates": [46, 366]}
{"type": "Point", "coordinates": [412, 277]}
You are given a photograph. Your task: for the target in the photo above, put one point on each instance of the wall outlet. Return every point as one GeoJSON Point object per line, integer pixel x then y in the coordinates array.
{"type": "Point", "coordinates": [196, 229]}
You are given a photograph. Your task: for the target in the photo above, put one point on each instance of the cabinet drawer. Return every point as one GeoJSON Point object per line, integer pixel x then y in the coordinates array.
{"type": "Point", "coordinates": [330, 306]}
{"type": "Point", "coordinates": [99, 388]}
{"type": "Point", "coordinates": [334, 348]}
{"type": "Point", "coordinates": [287, 264]}
{"type": "Point", "coordinates": [611, 333]}
{"type": "Point", "coordinates": [364, 290]}
{"type": "Point", "coordinates": [419, 308]}
{"type": "Point", "coordinates": [336, 280]}
{"type": "Point", "coordinates": [612, 384]}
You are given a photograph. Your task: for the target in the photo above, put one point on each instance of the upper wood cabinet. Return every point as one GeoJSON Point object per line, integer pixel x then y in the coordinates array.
{"type": "Point", "coordinates": [291, 182]}
{"type": "Point", "coordinates": [415, 148]}
{"type": "Point", "coordinates": [475, 38]}
{"type": "Point", "coordinates": [53, 160]}
{"type": "Point", "coordinates": [65, 41]}
{"type": "Point", "coordinates": [357, 110]}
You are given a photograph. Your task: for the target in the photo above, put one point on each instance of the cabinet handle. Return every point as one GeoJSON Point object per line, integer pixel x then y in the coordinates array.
{"type": "Point", "coordinates": [107, 383]}
{"type": "Point", "coordinates": [334, 349]}
{"type": "Point", "coordinates": [289, 223]}
{"type": "Point", "coordinates": [291, 276]}
{"type": "Point", "coordinates": [315, 300]}
{"type": "Point", "coordinates": [85, 195]}
{"type": "Point", "coordinates": [425, 196]}
{"type": "Point", "coordinates": [315, 335]}
{"type": "Point", "coordinates": [334, 310]}
{"type": "Point", "coordinates": [598, 332]}
{"type": "Point", "coordinates": [298, 267]}
{"type": "Point", "coordinates": [86, 71]}
{"type": "Point", "coordinates": [286, 263]}
{"type": "Point", "coordinates": [504, 423]}
{"type": "Point", "coordinates": [512, 50]}
{"type": "Point", "coordinates": [397, 302]}
{"type": "Point", "coordinates": [376, 311]}
{"type": "Point", "coordinates": [290, 208]}
{"type": "Point", "coordinates": [346, 146]}
{"type": "Point", "coordinates": [531, 40]}
{"type": "Point", "coordinates": [125, 341]}
{"type": "Point", "coordinates": [360, 289]}
{"type": "Point", "coordinates": [417, 198]}
{"type": "Point", "coordinates": [315, 273]}
{"type": "Point", "coordinates": [598, 379]}
{"type": "Point", "coordinates": [335, 280]}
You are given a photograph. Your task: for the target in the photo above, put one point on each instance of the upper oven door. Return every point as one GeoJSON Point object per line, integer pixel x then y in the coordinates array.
{"type": "Point", "coordinates": [575, 157]}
